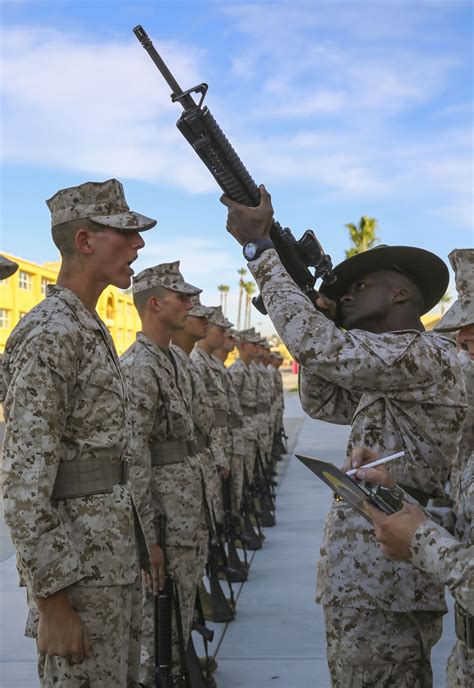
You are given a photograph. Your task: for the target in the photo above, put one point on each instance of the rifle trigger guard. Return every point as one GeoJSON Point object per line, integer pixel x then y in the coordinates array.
{"type": "Point", "coordinates": [202, 89]}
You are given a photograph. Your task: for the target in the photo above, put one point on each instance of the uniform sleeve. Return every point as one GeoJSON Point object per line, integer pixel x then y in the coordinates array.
{"type": "Point", "coordinates": [39, 395]}
{"type": "Point", "coordinates": [325, 400]}
{"type": "Point", "coordinates": [435, 551]}
{"type": "Point", "coordinates": [357, 360]}
{"type": "Point", "coordinates": [237, 375]}
{"type": "Point", "coordinates": [143, 394]}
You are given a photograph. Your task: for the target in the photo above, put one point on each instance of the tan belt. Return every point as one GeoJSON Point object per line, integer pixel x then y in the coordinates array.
{"type": "Point", "coordinates": [220, 418]}
{"type": "Point", "coordinates": [234, 421]}
{"type": "Point", "coordinates": [85, 477]}
{"type": "Point", "coordinates": [464, 626]}
{"type": "Point", "coordinates": [202, 441]}
{"type": "Point", "coordinates": [263, 408]}
{"type": "Point", "coordinates": [249, 411]}
{"type": "Point", "coordinates": [171, 451]}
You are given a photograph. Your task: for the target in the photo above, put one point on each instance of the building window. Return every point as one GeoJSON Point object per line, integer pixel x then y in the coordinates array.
{"type": "Point", "coordinates": [4, 318]}
{"type": "Point", "coordinates": [26, 280]}
{"type": "Point", "coordinates": [44, 283]}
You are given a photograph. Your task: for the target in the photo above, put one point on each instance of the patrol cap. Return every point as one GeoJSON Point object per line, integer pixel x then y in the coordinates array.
{"type": "Point", "coordinates": [461, 313]}
{"type": "Point", "coordinates": [165, 275]}
{"type": "Point", "coordinates": [249, 336]}
{"type": "Point", "coordinates": [218, 318]}
{"type": "Point", "coordinates": [277, 355]}
{"type": "Point", "coordinates": [7, 267]}
{"type": "Point", "coordinates": [425, 269]}
{"type": "Point", "coordinates": [198, 310]}
{"type": "Point", "coordinates": [101, 202]}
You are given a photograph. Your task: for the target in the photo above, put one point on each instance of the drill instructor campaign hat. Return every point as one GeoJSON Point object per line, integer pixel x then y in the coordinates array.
{"type": "Point", "coordinates": [425, 269]}
{"type": "Point", "coordinates": [7, 267]}
{"type": "Point", "coordinates": [101, 202]}
{"type": "Point", "coordinates": [461, 313]}
{"type": "Point", "coordinates": [165, 275]}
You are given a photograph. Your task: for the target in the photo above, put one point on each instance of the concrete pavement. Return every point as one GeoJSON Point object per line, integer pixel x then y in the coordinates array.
{"type": "Point", "coordinates": [277, 638]}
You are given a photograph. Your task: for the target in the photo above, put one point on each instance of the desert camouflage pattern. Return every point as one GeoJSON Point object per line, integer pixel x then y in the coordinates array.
{"type": "Point", "coordinates": [366, 647]}
{"type": "Point", "coordinates": [211, 376]}
{"type": "Point", "coordinates": [236, 439]}
{"type": "Point", "coordinates": [66, 401]}
{"type": "Point", "coordinates": [461, 313]}
{"type": "Point", "coordinates": [203, 419]}
{"type": "Point", "coordinates": [248, 335]}
{"type": "Point", "coordinates": [101, 202]}
{"type": "Point", "coordinates": [264, 405]}
{"type": "Point", "coordinates": [217, 317]}
{"type": "Point", "coordinates": [245, 383]}
{"type": "Point", "coordinates": [399, 391]}
{"type": "Point", "coordinates": [279, 398]}
{"type": "Point", "coordinates": [181, 564]}
{"type": "Point", "coordinates": [161, 411]}
{"type": "Point", "coordinates": [450, 558]}
{"type": "Point", "coordinates": [165, 275]}
{"type": "Point", "coordinates": [112, 616]}
{"type": "Point", "coordinates": [460, 459]}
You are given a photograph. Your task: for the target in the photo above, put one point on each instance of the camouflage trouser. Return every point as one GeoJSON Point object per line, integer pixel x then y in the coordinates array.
{"type": "Point", "coordinates": [237, 481]}
{"type": "Point", "coordinates": [250, 459]}
{"type": "Point", "coordinates": [460, 669]}
{"type": "Point", "coordinates": [112, 616]}
{"type": "Point", "coordinates": [182, 563]}
{"type": "Point", "coordinates": [377, 649]}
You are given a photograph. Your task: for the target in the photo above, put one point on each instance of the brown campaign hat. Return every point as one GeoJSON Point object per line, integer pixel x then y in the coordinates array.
{"type": "Point", "coordinates": [165, 275]}
{"type": "Point", "coordinates": [7, 267]}
{"type": "Point", "coordinates": [101, 202]}
{"type": "Point", "coordinates": [425, 269]}
{"type": "Point", "coordinates": [461, 313]}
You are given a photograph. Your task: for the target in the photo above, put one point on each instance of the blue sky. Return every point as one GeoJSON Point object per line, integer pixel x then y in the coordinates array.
{"type": "Point", "coordinates": [342, 109]}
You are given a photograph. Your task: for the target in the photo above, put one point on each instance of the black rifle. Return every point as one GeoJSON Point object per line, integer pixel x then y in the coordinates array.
{"type": "Point", "coordinates": [208, 140]}
{"type": "Point", "coordinates": [239, 574]}
{"type": "Point", "coordinates": [164, 605]}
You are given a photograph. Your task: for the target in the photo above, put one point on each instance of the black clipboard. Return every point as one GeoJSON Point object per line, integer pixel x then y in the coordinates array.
{"type": "Point", "coordinates": [339, 482]}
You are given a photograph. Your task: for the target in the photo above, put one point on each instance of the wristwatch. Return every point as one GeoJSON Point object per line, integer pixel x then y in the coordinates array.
{"type": "Point", "coordinates": [253, 249]}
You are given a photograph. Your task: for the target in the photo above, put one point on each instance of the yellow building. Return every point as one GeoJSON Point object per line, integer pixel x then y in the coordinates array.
{"type": "Point", "coordinates": [27, 287]}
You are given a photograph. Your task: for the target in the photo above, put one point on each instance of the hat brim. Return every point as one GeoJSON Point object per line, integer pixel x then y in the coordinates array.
{"type": "Point", "coordinates": [457, 316]}
{"type": "Point", "coordinates": [7, 269]}
{"type": "Point", "coordinates": [130, 220]}
{"type": "Point", "coordinates": [185, 288]}
{"type": "Point", "coordinates": [200, 311]}
{"type": "Point", "coordinates": [426, 270]}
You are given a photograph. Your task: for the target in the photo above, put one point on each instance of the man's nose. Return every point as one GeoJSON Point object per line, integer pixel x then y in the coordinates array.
{"type": "Point", "coordinates": [138, 241]}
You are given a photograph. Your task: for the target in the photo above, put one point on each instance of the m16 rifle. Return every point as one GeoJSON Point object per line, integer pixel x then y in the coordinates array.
{"type": "Point", "coordinates": [208, 140]}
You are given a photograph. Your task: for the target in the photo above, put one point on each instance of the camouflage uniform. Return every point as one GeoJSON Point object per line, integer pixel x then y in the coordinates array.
{"type": "Point", "coordinates": [7, 269]}
{"type": "Point", "coordinates": [265, 438]}
{"type": "Point", "coordinates": [66, 402]}
{"type": "Point", "coordinates": [399, 391]}
{"type": "Point", "coordinates": [236, 439]}
{"type": "Point", "coordinates": [460, 459]}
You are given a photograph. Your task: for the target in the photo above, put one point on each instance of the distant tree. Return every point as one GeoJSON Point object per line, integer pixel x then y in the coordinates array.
{"type": "Point", "coordinates": [249, 290]}
{"type": "Point", "coordinates": [225, 291]}
{"type": "Point", "coordinates": [241, 272]}
{"type": "Point", "coordinates": [444, 300]}
{"type": "Point", "coordinates": [363, 236]}
{"type": "Point", "coordinates": [221, 288]}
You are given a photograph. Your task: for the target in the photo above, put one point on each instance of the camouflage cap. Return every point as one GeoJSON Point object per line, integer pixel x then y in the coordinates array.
{"type": "Point", "coordinates": [165, 275]}
{"type": "Point", "coordinates": [218, 318]}
{"type": "Point", "coordinates": [101, 202]}
{"type": "Point", "coordinates": [277, 355]}
{"type": "Point", "coordinates": [7, 267]}
{"type": "Point", "coordinates": [198, 310]}
{"type": "Point", "coordinates": [461, 313]}
{"type": "Point", "coordinates": [249, 336]}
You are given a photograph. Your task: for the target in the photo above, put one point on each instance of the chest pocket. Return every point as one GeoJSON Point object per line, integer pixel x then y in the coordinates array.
{"type": "Point", "coordinates": [104, 379]}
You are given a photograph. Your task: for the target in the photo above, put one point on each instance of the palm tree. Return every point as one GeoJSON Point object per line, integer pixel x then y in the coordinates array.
{"type": "Point", "coordinates": [225, 291]}
{"type": "Point", "coordinates": [221, 288]}
{"type": "Point", "coordinates": [443, 301]}
{"type": "Point", "coordinates": [241, 272]}
{"type": "Point", "coordinates": [363, 237]}
{"type": "Point", "coordinates": [249, 290]}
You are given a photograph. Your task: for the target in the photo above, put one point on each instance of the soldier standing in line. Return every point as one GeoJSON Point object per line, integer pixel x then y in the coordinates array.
{"type": "Point", "coordinates": [410, 535]}
{"type": "Point", "coordinates": [401, 388]}
{"type": "Point", "coordinates": [263, 404]}
{"type": "Point", "coordinates": [276, 359]}
{"type": "Point", "coordinates": [7, 269]}
{"type": "Point", "coordinates": [245, 383]}
{"type": "Point", "coordinates": [237, 445]}
{"type": "Point", "coordinates": [67, 500]}
{"type": "Point", "coordinates": [168, 478]}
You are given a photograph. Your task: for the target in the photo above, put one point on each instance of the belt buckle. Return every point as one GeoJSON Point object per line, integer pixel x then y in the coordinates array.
{"type": "Point", "coordinates": [125, 471]}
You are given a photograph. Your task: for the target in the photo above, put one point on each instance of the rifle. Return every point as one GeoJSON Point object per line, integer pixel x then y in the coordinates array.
{"type": "Point", "coordinates": [163, 610]}
{"type": "Point", "coordinates": [208, 140]}
{"type": "Point", "coordinates": [239, 572]}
